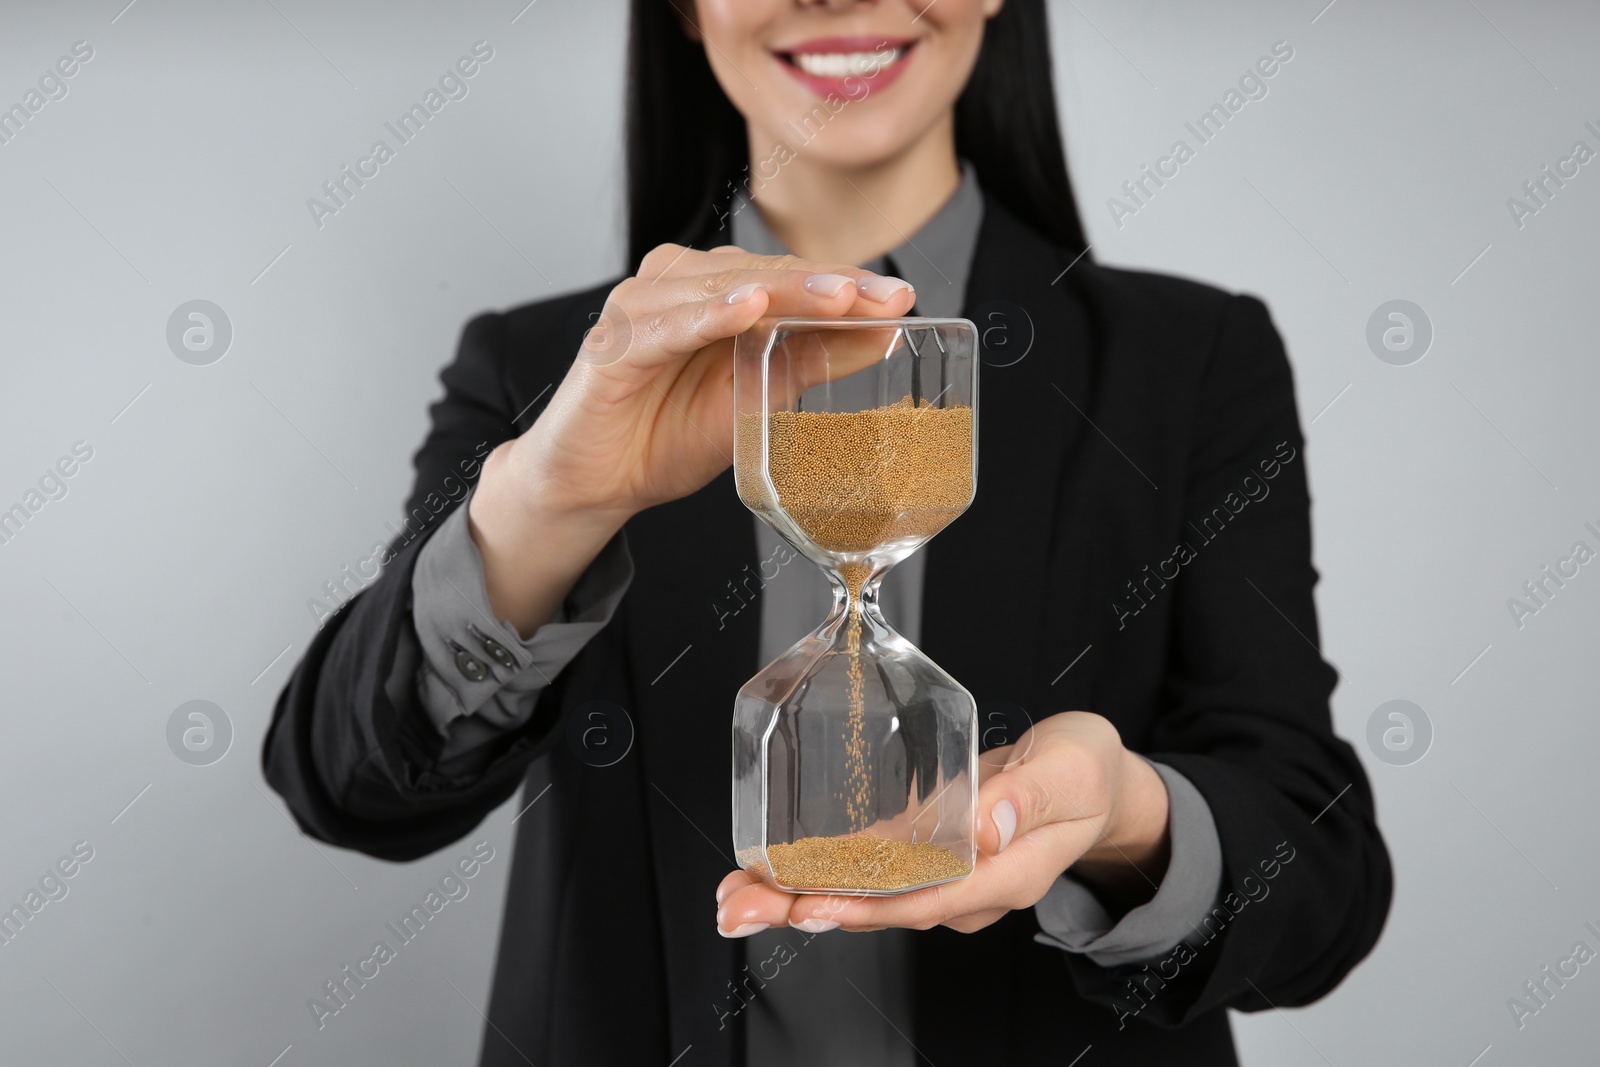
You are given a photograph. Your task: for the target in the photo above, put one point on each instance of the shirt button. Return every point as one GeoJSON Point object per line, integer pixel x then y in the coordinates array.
{"type": "Point", "coordinates": [498, 653]}
{"type": "Point", "coordinates": [471, 668]}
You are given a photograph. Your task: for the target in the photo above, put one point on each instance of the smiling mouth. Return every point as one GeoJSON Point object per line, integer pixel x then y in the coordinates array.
{"type": "Point", "coordinates": [833, 65]}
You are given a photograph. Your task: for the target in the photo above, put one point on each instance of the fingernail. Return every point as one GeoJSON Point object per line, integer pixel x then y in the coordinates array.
{"type": "Point", "coordinates": [1005, 820]}
{"type": "Point", "coordinates": [721, 892]}
{"type": "Point", "coordinates": [827, 284]}
{"type": "Point", "coordinates": [815, 926]}
{"type": "Point", "coordinates": [744, 929]}
{"type": "Point", "coordinates": [882, 287]}
{"type": "Point", "coordinates": [743, 293]}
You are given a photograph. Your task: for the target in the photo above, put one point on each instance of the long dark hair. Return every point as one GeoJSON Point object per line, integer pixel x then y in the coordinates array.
{"type": "Point", "coordinates": [687, 148]}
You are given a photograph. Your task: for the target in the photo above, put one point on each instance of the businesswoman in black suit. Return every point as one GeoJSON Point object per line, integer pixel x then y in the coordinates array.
{"type": "Point", "coordinates": [1179, 833]}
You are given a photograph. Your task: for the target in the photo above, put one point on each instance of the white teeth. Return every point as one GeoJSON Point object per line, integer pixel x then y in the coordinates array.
{"type": "Point", "coordinates": [844, 64]}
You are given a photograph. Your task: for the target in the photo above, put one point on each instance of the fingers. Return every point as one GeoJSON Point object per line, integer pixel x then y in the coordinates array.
{"type": "Point", "coordinates": [683, 300]}
{"type": "Point", "coordinates": [676, 261]}
{"type": "Point", "coordinates": [681, 316]}
{"type": "Point", "coordinates": [921, 910]}
{"type": "Point", "coordinates": [797, 292]}
{"type": "Point", "coordinates": [747, 905]}
{"type": "Point", "coordinates": [994, 888]}
{"type": "Point", "coordinates": [670, 262]}
{"type": "Point", "coordinates": [735, 880]}
{"type": "Point", "coordinates": [750, 907]}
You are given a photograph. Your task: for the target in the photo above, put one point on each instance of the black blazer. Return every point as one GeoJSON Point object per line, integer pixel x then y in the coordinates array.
{"type": "Point", "coordinates": [1150, 413]}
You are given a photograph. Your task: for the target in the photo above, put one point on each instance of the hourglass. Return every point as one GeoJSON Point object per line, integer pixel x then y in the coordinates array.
{"type": "Point", "coordinates": [855, 757]}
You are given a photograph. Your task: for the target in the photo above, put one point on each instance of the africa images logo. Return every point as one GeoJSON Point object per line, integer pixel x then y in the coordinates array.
{"type": "Point", "coordinates": [343, 186]}
{"type": "Point", "coordinates": [1252, 489]}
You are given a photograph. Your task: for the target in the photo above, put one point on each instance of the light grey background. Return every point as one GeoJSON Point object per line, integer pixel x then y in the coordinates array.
{"type": "Point", "coordinates": [179, 565]}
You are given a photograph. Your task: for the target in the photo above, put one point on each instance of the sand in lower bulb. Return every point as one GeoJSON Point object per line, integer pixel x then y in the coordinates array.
{"type": "Point", "coordinates": [860, 862]}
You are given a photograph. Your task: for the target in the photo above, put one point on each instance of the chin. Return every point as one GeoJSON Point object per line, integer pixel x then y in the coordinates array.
{"type": "Point", "coordinates": [855, 141]}
{"type": "Point", "coordinates": [856, 151]}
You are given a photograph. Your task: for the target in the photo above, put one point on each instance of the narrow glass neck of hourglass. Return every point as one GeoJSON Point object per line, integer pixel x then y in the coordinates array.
{"type": "Point", "coordinates": [866, 596]}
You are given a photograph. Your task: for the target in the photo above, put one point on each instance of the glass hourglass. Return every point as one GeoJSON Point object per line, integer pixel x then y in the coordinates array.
{"type": "Point", "coordinates": [855, 758]}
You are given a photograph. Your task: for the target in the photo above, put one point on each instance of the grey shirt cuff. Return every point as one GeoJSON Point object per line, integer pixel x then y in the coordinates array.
{"type": "Point", "coordinates": [474, 664]}
{"type": "Point", "coordinates": [1071, 917]}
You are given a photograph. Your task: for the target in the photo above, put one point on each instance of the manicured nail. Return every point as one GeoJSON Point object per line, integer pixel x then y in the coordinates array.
{"type": "Point", "coordinates": [1005, 820]}
{"type": "Point", "coordinates": [815, 926]}
{"type": "Point", "coordinates": [743, 293]}
{"type": "Point", "coordinates": [882, 287]}
{"type": "Point", "coordinates": [827, 284]}
{"type": "Point", "coordinates": [744, 930]}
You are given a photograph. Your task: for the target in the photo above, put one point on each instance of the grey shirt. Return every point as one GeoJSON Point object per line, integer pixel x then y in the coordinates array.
{"type": "Point", "coordinates": [479, 678]}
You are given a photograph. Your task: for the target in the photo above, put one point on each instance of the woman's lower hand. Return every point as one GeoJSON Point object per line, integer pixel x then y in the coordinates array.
{"type": "Point", "coordinates": [1067, 794]}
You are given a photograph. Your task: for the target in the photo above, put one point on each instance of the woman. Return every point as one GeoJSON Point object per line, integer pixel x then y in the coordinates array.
{"type": "Point", "coordinates": [1180, 832]}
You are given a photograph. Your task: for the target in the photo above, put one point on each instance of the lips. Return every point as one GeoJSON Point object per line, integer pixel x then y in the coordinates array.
{"type": "Point", "coordinates": [843, 66]}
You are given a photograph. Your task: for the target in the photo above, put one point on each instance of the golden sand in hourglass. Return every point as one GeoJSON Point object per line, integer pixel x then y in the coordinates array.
{"type": "Point", "coordinates": [861, 861]}
{"type": "Point", "coordinates": [855, 480]}
{"type": "Point", "coordinates": [852, 482]}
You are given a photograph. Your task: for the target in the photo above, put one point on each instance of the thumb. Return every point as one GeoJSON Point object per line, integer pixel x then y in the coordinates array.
{"type": "Point", "coordinates": [1018, 800]}
{"type": "Point", "coordinates": [1053, 779]}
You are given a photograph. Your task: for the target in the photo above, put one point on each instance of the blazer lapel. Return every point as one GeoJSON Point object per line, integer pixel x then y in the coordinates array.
{"type": "Point", "coordinates": [689, 654]}
{"type": "Point", "coordinates": [985, 608]}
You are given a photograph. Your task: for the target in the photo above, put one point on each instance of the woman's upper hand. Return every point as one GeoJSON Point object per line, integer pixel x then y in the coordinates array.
{"type": "Point", "coordinates": [645, 413]}
{"type": "Point", "coordinates": [1067, 794]}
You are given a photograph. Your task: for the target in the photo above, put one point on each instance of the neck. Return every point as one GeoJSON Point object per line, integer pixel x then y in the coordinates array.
{"type": "Point", "coordinates": [839, 214]}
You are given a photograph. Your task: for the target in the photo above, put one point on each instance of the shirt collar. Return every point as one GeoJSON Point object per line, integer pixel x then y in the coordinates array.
{"type": "Point", "coordinates": [936, 260]}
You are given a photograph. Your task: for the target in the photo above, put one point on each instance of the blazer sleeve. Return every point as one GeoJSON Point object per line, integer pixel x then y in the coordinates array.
{"type": "Point", "coordinates": [351, 748]}
{"type": "Point", "coordinates": [1306, 877]}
